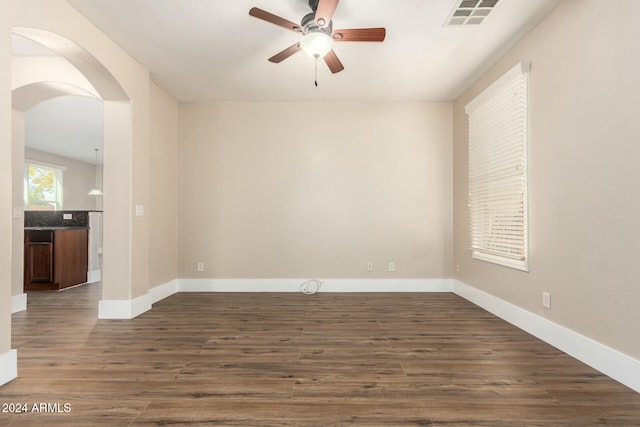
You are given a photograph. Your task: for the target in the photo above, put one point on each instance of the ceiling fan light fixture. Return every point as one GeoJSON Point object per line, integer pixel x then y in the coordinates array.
{"type": "Point", "coordinates": [316, 44]}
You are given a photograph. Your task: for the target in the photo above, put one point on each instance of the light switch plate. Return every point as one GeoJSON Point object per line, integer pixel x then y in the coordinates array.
{"type": "Point", "coordinates": [139, 210]}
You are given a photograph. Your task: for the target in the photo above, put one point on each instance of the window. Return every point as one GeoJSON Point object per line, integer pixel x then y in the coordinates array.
{"type": "Point", "coordinates": [498, 171]}
{"type": "Point", "coordinates": [43, 186]}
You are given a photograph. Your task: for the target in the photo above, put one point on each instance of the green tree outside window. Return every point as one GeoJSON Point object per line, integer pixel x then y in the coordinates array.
{"type": "Point", "coordinates": [43, 186]}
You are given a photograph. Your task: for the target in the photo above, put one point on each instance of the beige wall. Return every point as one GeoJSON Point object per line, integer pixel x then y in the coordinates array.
{"type": "Point", "coordinates": [163, 187]}
{"type": "Point", "coordinates": [583, 169]}
{"type": "Point", "coordinates": [118, 204]}
{"type": "Point", "coordinates": [296, 190]}
{"type": "Point", "coordinates": [124, 85]}
{"type": "Point", "coordinates": [77, 180]}
{"type": "Point", "coordinates": [18, 126]}
{"type": "Point", "coordinates": [6, 221]}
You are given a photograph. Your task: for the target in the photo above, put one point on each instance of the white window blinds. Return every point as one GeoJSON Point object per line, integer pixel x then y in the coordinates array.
{"type": "Point", "coordinates": [498, 170]}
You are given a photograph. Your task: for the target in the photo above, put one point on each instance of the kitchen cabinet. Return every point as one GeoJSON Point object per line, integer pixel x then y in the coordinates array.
{"type": "Point", "coordinates": [55, 258]}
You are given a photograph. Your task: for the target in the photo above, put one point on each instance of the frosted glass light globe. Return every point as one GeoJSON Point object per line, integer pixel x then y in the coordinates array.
{"type": "Point", "coordinates": [316, 44]}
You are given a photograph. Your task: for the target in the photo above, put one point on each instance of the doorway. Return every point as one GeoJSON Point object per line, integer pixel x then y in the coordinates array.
{"type": "Point", "coordinates": [66, 108]}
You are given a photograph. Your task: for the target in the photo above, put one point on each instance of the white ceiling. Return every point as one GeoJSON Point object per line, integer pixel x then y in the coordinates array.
{"type": "Point", "coordinates": [69, 126]}
{"type": "Point", "coordinates": [213, 49]}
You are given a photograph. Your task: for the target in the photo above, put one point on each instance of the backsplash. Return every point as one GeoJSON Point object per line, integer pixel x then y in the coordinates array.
{"type": "Point", "coordinates": [56, 219]}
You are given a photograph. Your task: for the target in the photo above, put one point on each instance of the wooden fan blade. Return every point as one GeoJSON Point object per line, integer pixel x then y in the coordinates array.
{"type": "Point", "coordinates": [325, 11]}
{"type": "Point", "coordinates": [274, 19]}
{"type": "Point", "coordinates": [333, 62]}
{"type": "Point", "coordinates": [279, 57]}
{"type": "Point", "coordinates": [359, 35]}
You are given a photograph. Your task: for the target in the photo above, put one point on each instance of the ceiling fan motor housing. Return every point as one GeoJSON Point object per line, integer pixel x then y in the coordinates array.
{"type": "Point", "coordinates": [309, 25]}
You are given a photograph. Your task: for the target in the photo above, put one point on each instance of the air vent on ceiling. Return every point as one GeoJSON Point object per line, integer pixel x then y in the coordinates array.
{"type": "Point", "coordinates": [470, 12]}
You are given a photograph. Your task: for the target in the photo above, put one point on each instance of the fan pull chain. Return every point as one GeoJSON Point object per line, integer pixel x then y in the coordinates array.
{"type": "Point", "coordinates": [316, 79]}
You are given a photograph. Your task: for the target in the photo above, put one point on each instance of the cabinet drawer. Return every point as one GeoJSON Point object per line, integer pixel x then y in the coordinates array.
{"type": "Point", "coordinates": [40, 236]}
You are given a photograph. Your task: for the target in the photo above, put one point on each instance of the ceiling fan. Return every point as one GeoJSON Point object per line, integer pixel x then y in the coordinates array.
{"type": "Point", "coordinates": [318, 34]}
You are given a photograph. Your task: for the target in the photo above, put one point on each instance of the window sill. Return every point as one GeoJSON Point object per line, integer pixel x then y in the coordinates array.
{"type": "Point", "coordinates": [505, 262]}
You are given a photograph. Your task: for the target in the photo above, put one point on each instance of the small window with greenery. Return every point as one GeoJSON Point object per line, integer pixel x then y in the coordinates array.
{"type": "Point", "coordinates": [42, 186]}
{"type": "Point", "coordinates": [498, 171]}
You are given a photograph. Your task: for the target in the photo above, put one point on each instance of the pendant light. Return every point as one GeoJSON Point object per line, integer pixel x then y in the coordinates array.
{"type": "Point", "coordinates": [96, 191]}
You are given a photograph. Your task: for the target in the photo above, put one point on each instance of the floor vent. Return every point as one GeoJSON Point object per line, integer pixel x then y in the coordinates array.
{"type": "Point", "coordinates": [470, 12]}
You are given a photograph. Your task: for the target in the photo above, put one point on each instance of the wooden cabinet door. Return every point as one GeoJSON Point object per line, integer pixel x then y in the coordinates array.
{"type": "Point", "coordinates": [71, 257]}
{"type": "Point", "coordinates": [39, 262]}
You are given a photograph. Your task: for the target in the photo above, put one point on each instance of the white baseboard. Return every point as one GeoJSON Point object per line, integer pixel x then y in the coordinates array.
{"type": "Point", "coordinates": [8, 366]}
{"type": "Point", "coordinates": [124, 309]}
{"type": "Point", "coordinates": [94, 276]}
{"type": "Point", "coordinates": [128, 309]}
{"type": "Point", "coordinates": [610, 362]}
{"type": "Point", "coordinates": [328, 285]}
{"type": "Point", "coordinates": [18, 303]}
{"type": "Point", "coordinates": [163, 291]}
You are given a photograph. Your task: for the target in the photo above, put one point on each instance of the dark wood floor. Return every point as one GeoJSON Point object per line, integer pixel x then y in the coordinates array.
{"type": "Point", "coordinates": [297, 360]}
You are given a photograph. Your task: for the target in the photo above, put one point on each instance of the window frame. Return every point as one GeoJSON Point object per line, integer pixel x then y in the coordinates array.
{"type": "Point", "coordinates": [59, 173]}
{"type": "Point", "coordinates": [486, 215]}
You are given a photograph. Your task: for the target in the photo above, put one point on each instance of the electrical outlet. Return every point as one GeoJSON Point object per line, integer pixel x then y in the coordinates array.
{"type": "Point", "coordinates": [546, 300]}
{"type": "Point", "coordinates": [67, 216]}
{"type": "Point", "coordinates": [200, 266]}
{"type": "Point", "coordinates": [457, 268]}
{"type": "Point", "coordinates": [392, 266]}
{"type": "Point", "coordinates": [369, 266]}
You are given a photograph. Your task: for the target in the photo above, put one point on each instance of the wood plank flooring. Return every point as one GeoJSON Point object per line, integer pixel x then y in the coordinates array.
{"type": "Point", "coordinates": [270, 359]}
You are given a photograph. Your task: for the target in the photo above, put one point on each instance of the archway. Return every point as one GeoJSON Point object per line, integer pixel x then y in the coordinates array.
{"type": "Point", "coordinates": [72, 70]}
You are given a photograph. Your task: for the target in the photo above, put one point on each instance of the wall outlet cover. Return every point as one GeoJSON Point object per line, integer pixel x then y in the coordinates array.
{"type": "Point", "coordinates": [546, 300]}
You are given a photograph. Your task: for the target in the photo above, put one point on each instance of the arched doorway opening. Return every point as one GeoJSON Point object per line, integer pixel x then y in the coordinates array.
{"type": "Point", "coordinates": [69, 70]}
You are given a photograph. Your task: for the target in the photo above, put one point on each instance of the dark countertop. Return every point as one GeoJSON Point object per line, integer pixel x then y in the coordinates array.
{"type": "Point", "coordinates": [55, 219]}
